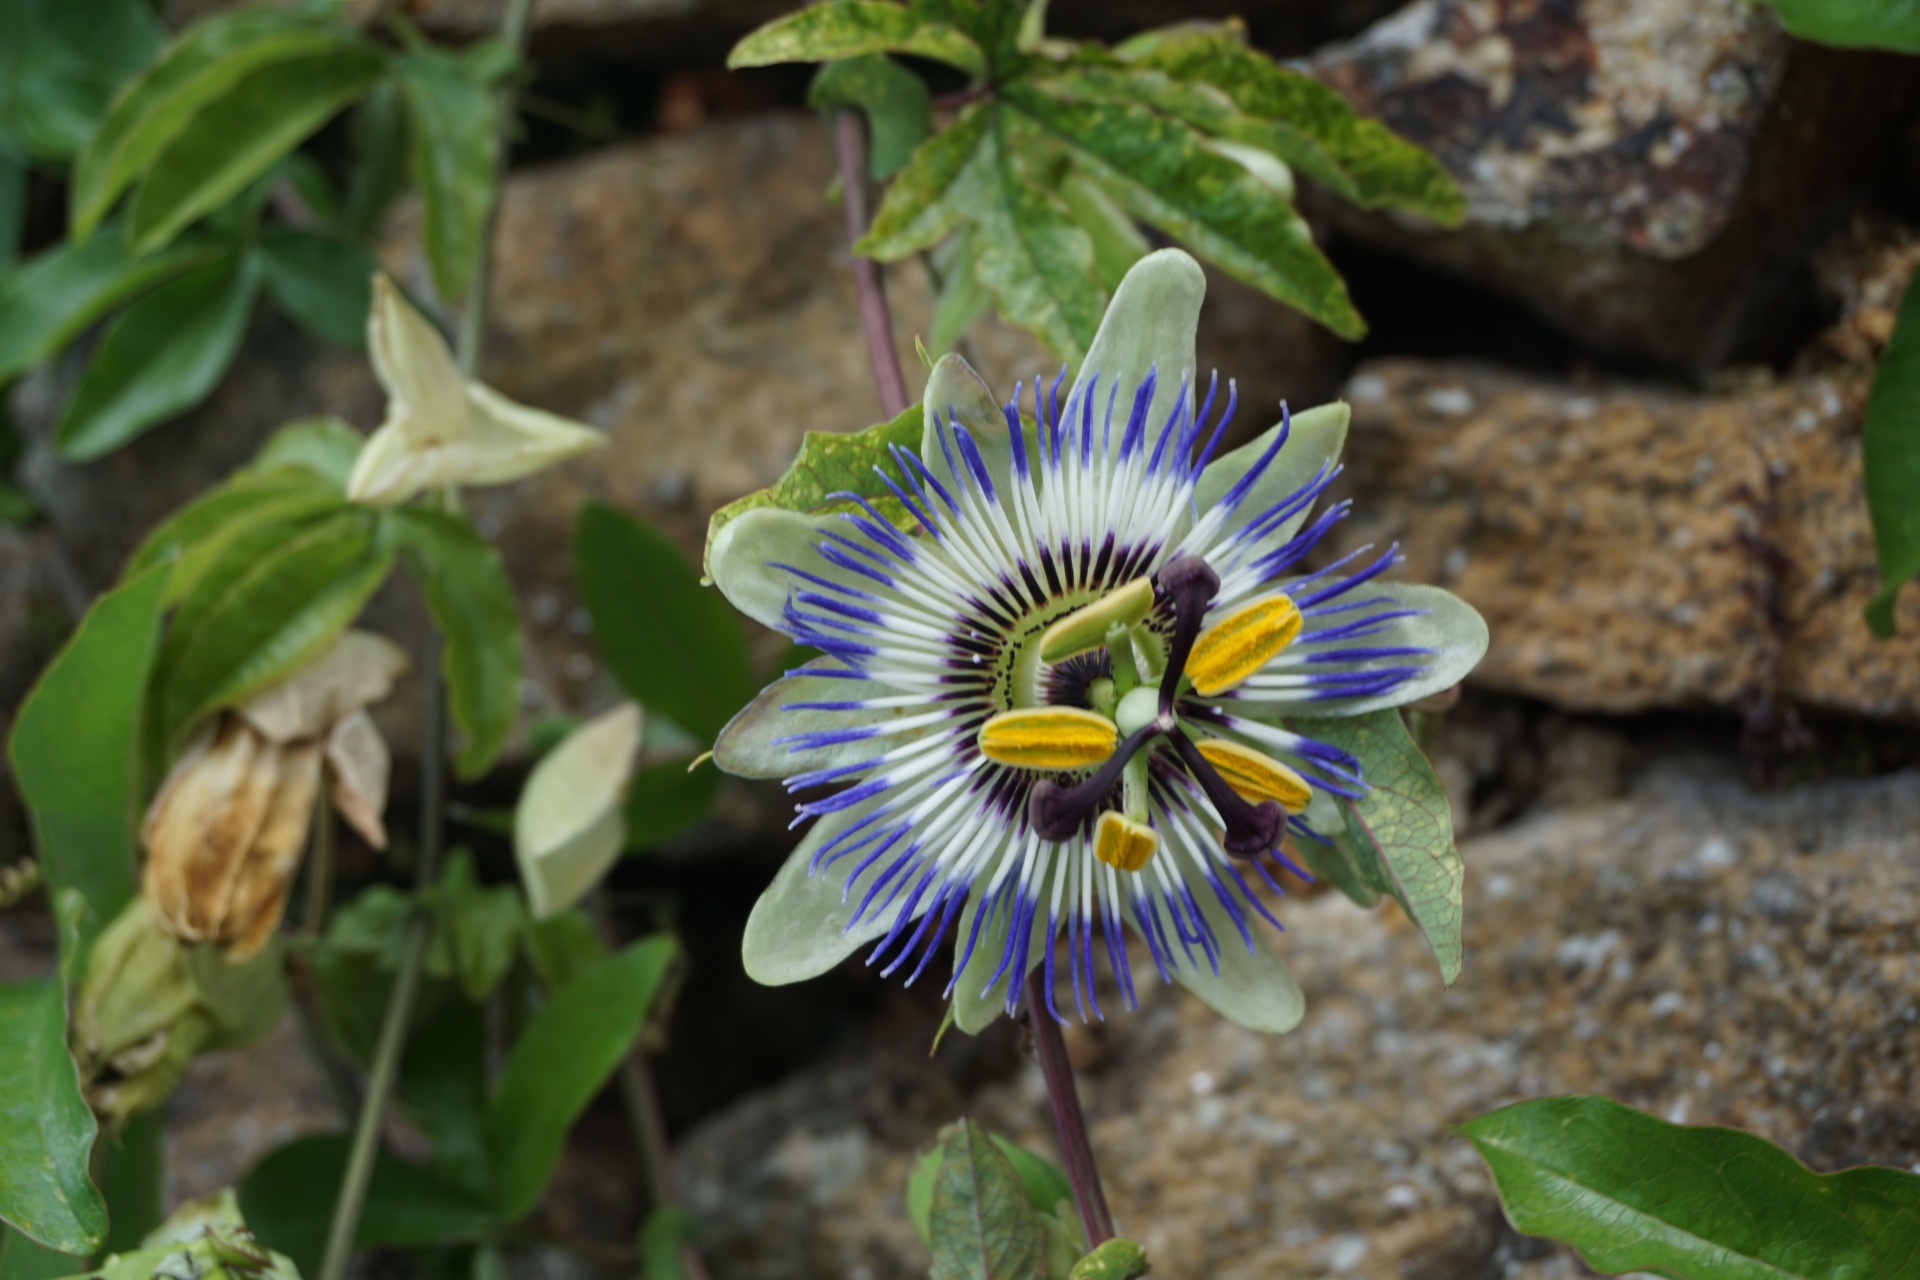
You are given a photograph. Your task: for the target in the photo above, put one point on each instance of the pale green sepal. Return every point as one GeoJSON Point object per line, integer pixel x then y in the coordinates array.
{"type": "Point", "coordinates": [1447, 624]}
{"type": "Point", "coordinates": [797, 929]}
{"type": "Point", "coordinates": [974, 1006]}
{"type": "Point", "coordinates": [953, 388]}
{"type": "Point", "coordinates": [745, 551]}
{"type": "Point", "coordinates": [1150, 323]}
{"type": "Point", "coordinates": [1315, 439]}
{"type": "Point", "coordinates": [570, 824]}
{"type": "Point", "coordinates": [1254, 987]}
{"type": "Point", "coordinates": [749, 746]}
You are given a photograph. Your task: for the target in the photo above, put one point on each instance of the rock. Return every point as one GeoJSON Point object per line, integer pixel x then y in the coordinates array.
{"type": "Point", "coordinates": [1709, 954]}
{"type": "Point", "coordinates": [1645, 173]}
{"type": "Point", "coordinates": [1634, 547]}
{"type": "Point", "coordinates": [691, 296]}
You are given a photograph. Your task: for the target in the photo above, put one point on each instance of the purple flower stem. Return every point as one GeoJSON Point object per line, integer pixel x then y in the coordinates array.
{"type": "Point", "coordinates": [1069, 1124]}
{"type": "Point", "coordinates": [850, 135]}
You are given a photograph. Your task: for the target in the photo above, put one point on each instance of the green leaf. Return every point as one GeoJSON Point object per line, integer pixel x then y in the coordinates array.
{"type": "Point", "coordinates": [675, 647]}
{"type": "Point", "coordinates": [898, 110]}
{"type": "Point", "coordinates": [242, 133]}
{"type": "Point", "coordinates": [274, 596]}
{"type": "Point", "coordinates": [75, 749]}
{"type": "Point", "coordinates": [560, 1062]}
{"type": "Point", "coordinates": [1161, 170]}
{"type": "Point", "coordinates": [323, 282]}
{"type": "Point", "coordinates": [380, 146]}
{"type": "Point", "coordinates": [1045, 1186]}
{"type": "Point", "coordinates": [563, 946]}
{"type": "Point", "coordinates": [1117, 1259]}
{"type": "Point", "coordinates": [852, 28]}
{"type": "Point", "coordinates": [13, 207]}
{"type": "Point", "coordinates": [1117, 242]}
{"type": "Point", "coordinates": [194, 71]}
{"type": "Point", "coordinates": [1890, 457]}
{"type": "Point", "coordinates": [1403, 824]}
{"type": "Point", "coordinates": [131, 1171]}
{"type": "Point", "coordinates": [22, 1259]}
{"type": "Point", "coordinates": [962, 301]}
{"type": "Point", "coordinates": [443, 1081]}
{"type": "Point", "coordinates": [472, 603]}
{"type": "Point", "coordinates": [476, 929]}
{"type": "Point", "coordinates": [981, 1224]}
{"type": "Point", "coordinates": [160, 357]}
{"type": "Point", "coordinates": [665, 799]}
{"type": "Point", "coordinates": [324, 448]}
{"type": "Point", "coordinates": [831, 462]}
{"type": "Point", "coordinates": [927, 199]}
{"type": "Point", "coordinates": [46, 1129]}
{"type": "Point", "coordinates": [195, 535]}
{"type": "Point", "coordinates": [1304, 122]}
{"type": "Point", "coordinates": [1859, 24]}
{"type": "Point", "coordinates": [659, 1241]}
{"type": "Point", "coordinates": [453, 131]}
{"type": "Point", "coordinates": [60, 63]}
{"type": "Point", "coordinates": [287, 1200]}
{"type": "Point", "coordinates": [1030, 252]}
{"type": "Point", "coordinates": [1633, 1193]}
{"type": "Point", "coordinates": [48, 301]}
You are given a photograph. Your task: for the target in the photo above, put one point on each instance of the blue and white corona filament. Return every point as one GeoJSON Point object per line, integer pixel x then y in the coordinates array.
{"type": "Point", "coordinates": [1071, 669]}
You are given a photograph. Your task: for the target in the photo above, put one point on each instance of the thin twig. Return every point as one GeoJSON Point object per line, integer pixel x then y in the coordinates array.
{"type": "Point", "coordinates": [393, 1028]}
{"type": "Point", "coordinates": [850, 135]}
{"type": "Point", "coordinates": [320, 863]}
{"type": "Point", "coordinates": [1069, 1123]}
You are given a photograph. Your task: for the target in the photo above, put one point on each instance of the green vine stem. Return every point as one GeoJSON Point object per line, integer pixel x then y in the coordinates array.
{"type": "Point", "coordinates": [365, 1144]}
{"type": "Point", "coordinates": [1069, 1122]}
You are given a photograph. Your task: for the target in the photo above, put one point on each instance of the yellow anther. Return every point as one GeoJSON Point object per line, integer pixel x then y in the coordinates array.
{"type": "Point", "coordinates": [1048, 738]}
{"type": "Point", "coordinates": [1086, 627]}
{"type": "Point", "coordinates": [1122, 843]}
{"type": "Point", "coordinates": [1254, 777]}
{"type": "Point", "coordinates": [1241, 643]}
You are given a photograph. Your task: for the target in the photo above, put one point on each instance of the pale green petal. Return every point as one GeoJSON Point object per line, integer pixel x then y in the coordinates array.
{"type": "Point", "coordinates": [797, 928]}
{"type": "Point", "coordinates": [1253, 988]}
{"type": "Point", "coordinates": [389, 469]}
{"type": "Point", "coordinates": [507, 441]}
{"type": "Point", "coordinates": [413, 364]}
{"type": "Point", "coordinates": [954, 388]}
{"type": "Point", "coordinates": [570, 823]}
{"type": "Point", "coordinates": [1315, 440]}
{"type": "Point", "coordinates": [1447, 624]}
{"type": "Point", "coordinates": [747, 747]}
{"type": "Point", "coordinates": [745, 551]}
{"type": "Point", "coordinates": [1150, 322]}
{"type": "Point", "coordinates": [975, 1007]}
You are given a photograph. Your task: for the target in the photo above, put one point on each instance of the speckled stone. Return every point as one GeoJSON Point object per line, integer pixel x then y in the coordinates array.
{"type": "Point", "coordinates": [1634, 546]}
{"type": "Point", "coordinates": [1645, 173]}
{"type": "Point", "coordinates": [1695, 949]}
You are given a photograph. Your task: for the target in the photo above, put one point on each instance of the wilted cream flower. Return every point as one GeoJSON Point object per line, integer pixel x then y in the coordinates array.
{"type": "Point", "coordinates": [225, 832]}
{"type": "Point", "coordinates": [571, 822]}
{"type": "Point", "coordinates": [443, 429]}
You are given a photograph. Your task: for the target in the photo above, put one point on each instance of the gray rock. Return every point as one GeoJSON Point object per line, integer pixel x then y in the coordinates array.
{"type": "Point", "coordinates": [1645, 173]}
{"type": "Point", "coordinates": [1644, 948]}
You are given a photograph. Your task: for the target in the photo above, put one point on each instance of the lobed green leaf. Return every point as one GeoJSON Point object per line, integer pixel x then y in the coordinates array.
{"type": "Point", "coordinates": [898, 109]}
{"type": "Point", "coordinates": [1633, 1193]}
{"type": "Point", "coordinates": [1160, 169]}
{"type": "Point", "coordinates": [471, 599]}
{"type": "Point", "coordinates": [160, 357]}
{"type": "Point", "coordinates": [676, 648]}
{"type": "Point", "coordinates": [852, 28]}
{"type": "Point", "coordinates": [1299, 119]}
{"type": "Point", "coordinates": [1117, 1259]}
{"type": "Point", "coordinates": [1890, 459]}
{"type": "Point", "coordinates": [1400, 834]}
{"type": "Point", "coordinates": [928, 198]}
{"type": "Point", "coordinates": [1045, 1185]}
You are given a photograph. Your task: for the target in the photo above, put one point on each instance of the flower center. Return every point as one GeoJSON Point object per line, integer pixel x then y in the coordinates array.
{"type": "Point", "coordinates": [1251, 793]}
